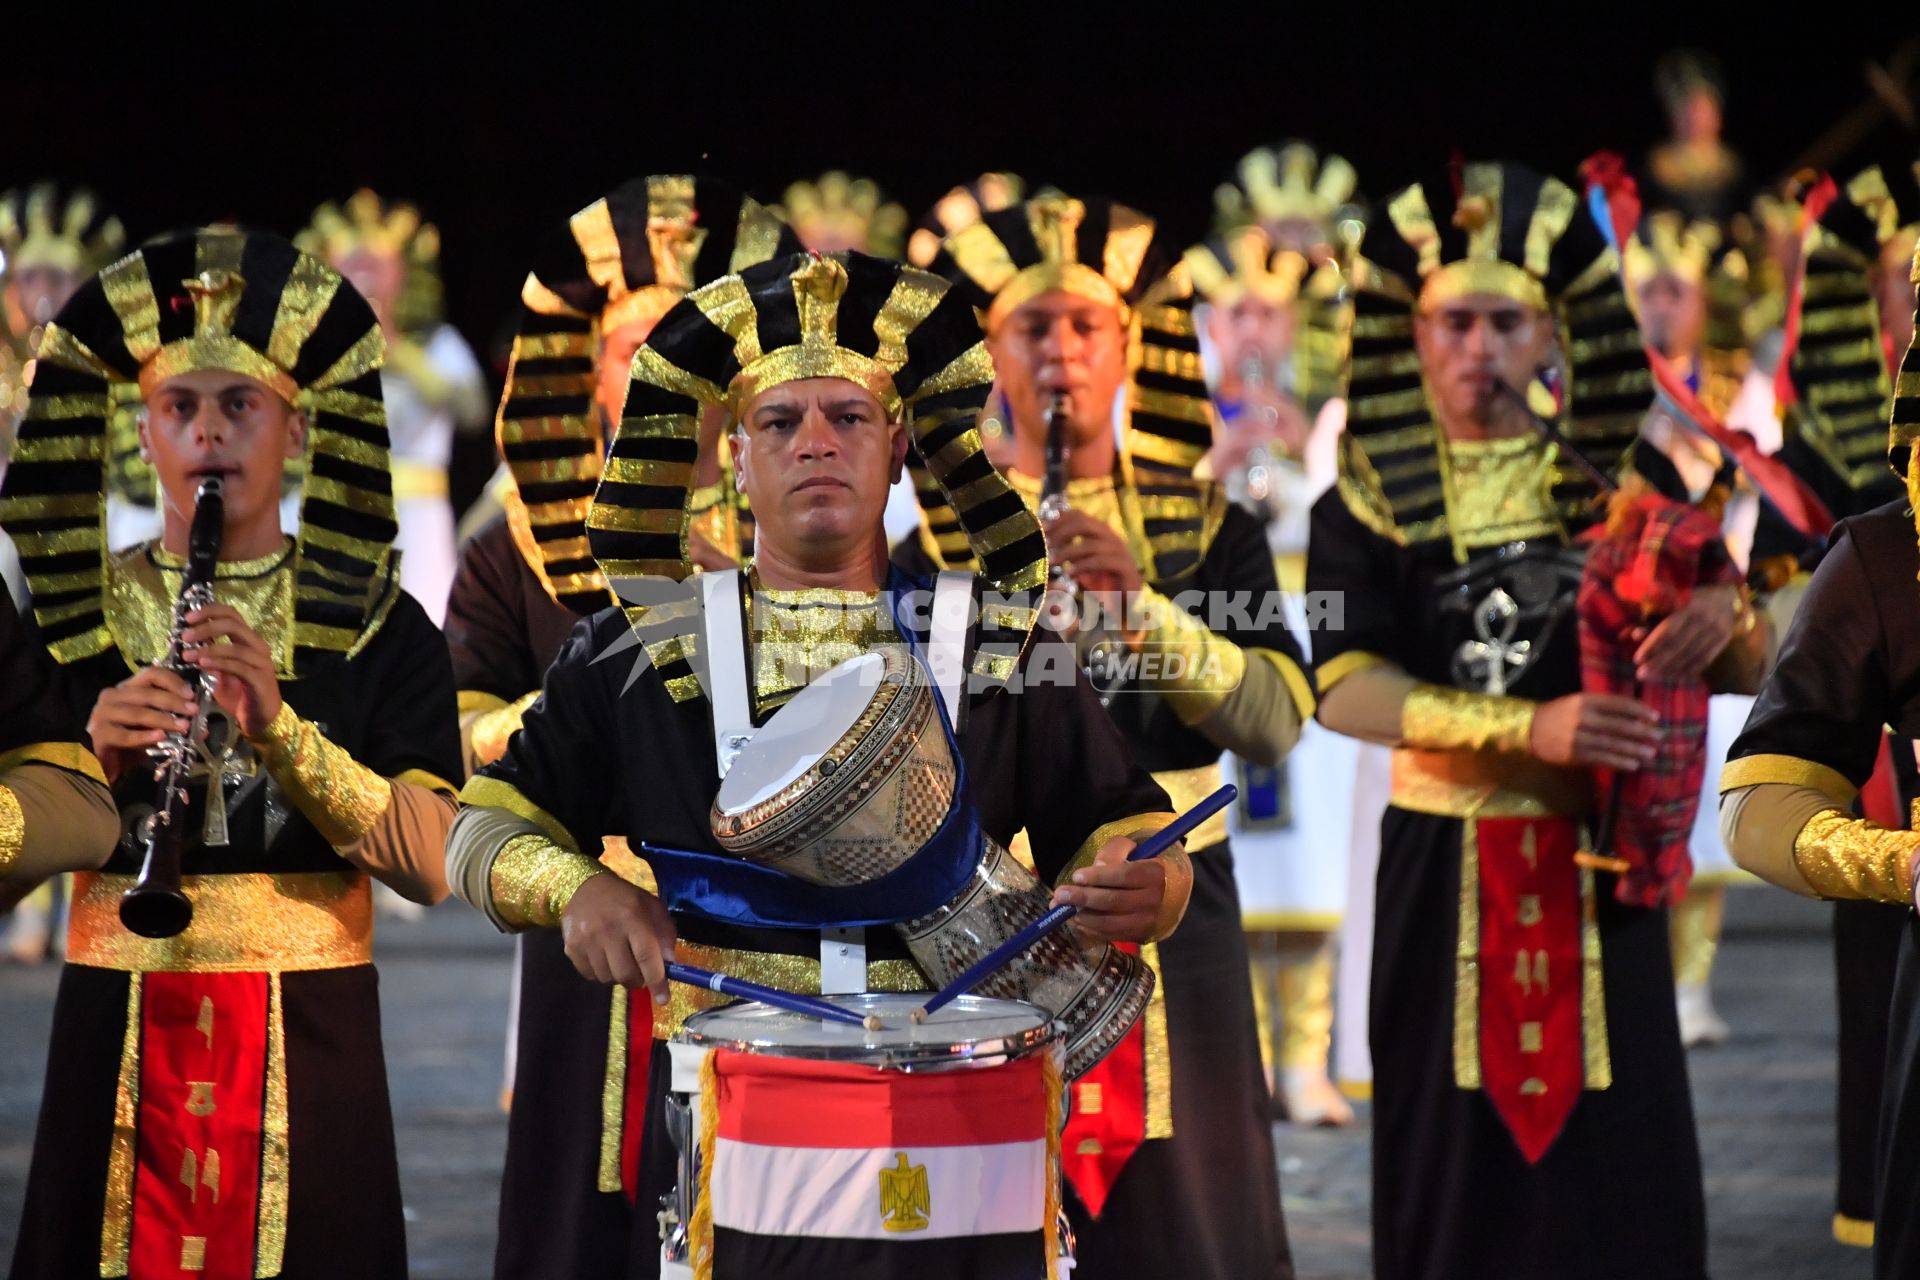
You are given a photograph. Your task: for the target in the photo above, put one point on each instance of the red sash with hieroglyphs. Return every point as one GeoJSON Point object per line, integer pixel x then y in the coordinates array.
{"type": "Point", "coordinates": [203, 1087]}
{"type": "Point", "coordinates": [1529, 978]}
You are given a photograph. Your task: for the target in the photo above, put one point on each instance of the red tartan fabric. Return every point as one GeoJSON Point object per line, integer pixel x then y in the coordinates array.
{"type": "Point", "coordinates": [1643, 564]}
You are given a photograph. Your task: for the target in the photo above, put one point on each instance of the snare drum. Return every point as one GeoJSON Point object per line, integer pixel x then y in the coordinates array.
{"type": "Point", "coordinates": [817, 1147]}
{"type": "Point", "coordinates": [853, 777]}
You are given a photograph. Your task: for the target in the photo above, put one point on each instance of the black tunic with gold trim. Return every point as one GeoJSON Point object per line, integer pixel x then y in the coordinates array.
{"type": "Point", "coordinates": [216, 1101]}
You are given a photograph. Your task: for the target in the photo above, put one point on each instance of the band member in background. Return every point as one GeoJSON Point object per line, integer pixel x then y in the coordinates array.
{"type": "Point", "coordinates": [431, 380]}
{"type": "Point", "coordinates": [1801, 775]}
{"type": "Point", "coordinates": [615, 745]}
{"type": "Point", "coordinates": [1693, 170]}
{"type": "Point", "coordinates": [839, 213]}
{"type": "Point", "coordinates": [1086, 303]}
{"type": "Point", "coordinates": [216, 1099]}
{"type": "Point", "coordinates": [1531, 1111]}
{"type": "Point", "coordinates": [599, 284]}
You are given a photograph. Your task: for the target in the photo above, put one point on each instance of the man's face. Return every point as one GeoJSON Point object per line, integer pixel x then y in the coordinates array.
{"type": "Point", "coordinates": [40, 292]}
{"type": "Point", "coordinates": [816, 458]}
{"type": "Point", "coordinates": [1253, 337]}
{"type": "Point", "coordinates": [216, 423]}
{"type": "Point", "coordinates": [617, 346]}
{"type": "Point", "coordinates": [1061, 342]}
{"type": "Point", "coordinates": [1469, 346]}
{"type": "Point", "coordinates": [379, 277]}
{"type": "Point", "coordinates": [1673, 314]}
{"type": "Point", "coordinates": [1893, 290]}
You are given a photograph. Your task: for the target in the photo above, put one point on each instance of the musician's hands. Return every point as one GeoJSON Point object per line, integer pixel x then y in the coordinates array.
{"type": "Point", "coordinates": [245, 683]}
{"type": "Point", "coordinates": [614, 932]}
{"type": "Point", "coordinates": [135, 714]}
{"type": "Point", "coordinates": [1117, 900]}
{"type": "Point", "coordinates": [1687, 641]}
{"type": "Point", "coordinates": [1096, 557]}
{"type": "Point", "coordinates": [1595, 729]}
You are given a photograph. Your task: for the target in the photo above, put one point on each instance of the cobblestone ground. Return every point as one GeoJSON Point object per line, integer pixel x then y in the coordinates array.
{"type": "Point", "coordinates": [1765, 1103]}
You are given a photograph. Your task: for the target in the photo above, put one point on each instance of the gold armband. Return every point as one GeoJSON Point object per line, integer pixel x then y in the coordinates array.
{"type": "Point", "coordinates": [533, 879]}
{"type": "Point", "coordinates": [491, 729]}
{"type": "Point", "coordinates": [13, 830]}
{"type": "Point", "coordinates": [341, 797]}
{"type": "Point", "coordinates": [1441, 719]}
{"type": "Point", "coordinates": [1846, 857]}
{"type": "Point", "coordinates": [1195, 667]}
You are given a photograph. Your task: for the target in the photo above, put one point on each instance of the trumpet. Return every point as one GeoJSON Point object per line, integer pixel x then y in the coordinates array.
{"type": "Point", "coordinates": [156, 907]}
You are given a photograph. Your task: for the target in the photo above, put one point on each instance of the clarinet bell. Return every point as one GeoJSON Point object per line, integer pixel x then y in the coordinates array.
{"type": "Point", "coordinates": [155, 911]}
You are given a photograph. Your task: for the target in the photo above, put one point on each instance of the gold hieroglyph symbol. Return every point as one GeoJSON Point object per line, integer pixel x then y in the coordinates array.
{"type": "Point", "coordinates": [905, 1200]}
{"type": "Point", "coordinates": [200, 1098]}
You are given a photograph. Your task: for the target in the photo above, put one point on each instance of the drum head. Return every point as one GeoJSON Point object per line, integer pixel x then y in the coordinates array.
{"type": "Point", "coordinates": [798, 734]}
{"type": "Point", "coordinates": [972, 1031]}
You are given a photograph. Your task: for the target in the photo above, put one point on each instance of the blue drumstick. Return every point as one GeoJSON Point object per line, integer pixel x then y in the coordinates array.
{"type": "Point", "coordinates": [1151, 847]}
{"type": "Point", "coordinates": [791, 1001]}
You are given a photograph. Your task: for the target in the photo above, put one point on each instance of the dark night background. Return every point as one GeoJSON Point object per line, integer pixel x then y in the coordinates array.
{"type": "Point", "coordinates": [498, 122]}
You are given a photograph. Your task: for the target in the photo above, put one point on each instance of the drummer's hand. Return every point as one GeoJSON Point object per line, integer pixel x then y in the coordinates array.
{"type": "Point", "coordinates": [616, 933]}
{"type": "Point", "coordinates": [1116, 899]}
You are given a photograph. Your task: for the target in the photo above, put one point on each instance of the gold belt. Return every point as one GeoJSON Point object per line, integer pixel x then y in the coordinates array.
{"type": "Point", "coordinates": [1188, 787]}
{"type": "Point", "coordinates": [1486, 784]}
{"type": "Point", "coordinates": [769, 969]}
{"type": "Point", "coordinates": [249, 923]}
{"type": "Point", "coordinates": [413, 479]}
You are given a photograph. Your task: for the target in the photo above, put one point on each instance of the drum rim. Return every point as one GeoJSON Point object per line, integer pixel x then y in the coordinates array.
{"type": "Point", "coordinates": [990, 1051]}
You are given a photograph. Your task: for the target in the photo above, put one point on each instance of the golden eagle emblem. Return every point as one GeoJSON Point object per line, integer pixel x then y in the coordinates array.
{"type": "Point", "coordinates": [905, 1201]}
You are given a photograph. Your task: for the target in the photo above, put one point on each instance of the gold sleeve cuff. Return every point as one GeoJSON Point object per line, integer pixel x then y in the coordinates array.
{"type": "Point", "coordinates": [533, 879]}
{"type": "Point", "coordinates": [1341, 665]}
{"type": "Point", "coordinates": [13, 830]}
{"type": "Point", "coordinates": [341, 797]}
{"type": "Point", "coordinates": [70, 756]}
{"type": "Point", "coordinates": [1442, 719]}
{"type": "Point", "coordinates": [1847, 857]}
{"type": "Point", "coordinates": [1192, 666]}
{"type": "Point", "coordinates": [1754, 771]}
{"type": "Point", "coordinates": [490, 730]}
{"type": "Point", "coordinates": [1135, 828]}
{"type": "Point", "coordinates": [1299, 685]}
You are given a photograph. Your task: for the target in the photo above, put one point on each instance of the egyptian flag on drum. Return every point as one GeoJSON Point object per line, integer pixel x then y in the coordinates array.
{"type": "Point", "coordinates": [851, 1171]}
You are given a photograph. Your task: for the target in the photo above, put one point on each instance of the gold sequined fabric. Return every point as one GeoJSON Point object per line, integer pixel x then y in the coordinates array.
{"type": "Point", "coordinates": [769, 969]}
{"type": "Point", "coordinates": [491, 729]}
{"type": "Point", "coordinates": [13, 830]}
{"type": "Point", "coordinates": [1498, 491]}
{"type": "Point", "coordinates": [341, 797]}
{"type": "Point", "coordinates": [797, 636]}
{"type": "Point", "coordinates": [533, 879]}
{"type": "Point", "coordinates": [241, 924]}
{"type": "Point", "coordinates": [144, 583]}
{"type": "Point", "coordinates": [1851, 858]}
{"type": "Point", "coordinates": [1438, 718]}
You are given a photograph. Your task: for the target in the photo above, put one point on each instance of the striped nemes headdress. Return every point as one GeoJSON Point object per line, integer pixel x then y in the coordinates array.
{"type": "Point", "coordinates": [961, 207]}
{"type": "Point", "coordinates": [243, 301]}
{"type": "Point", "coordinates": [841, 211]}
{"type": "Point", "coordinates": [1515, 233]}
{"type": "Point", "coordinates": [1905, 426]}
{"type": "Point", "coordinates": [393, 229]}
{"type": "Point", "coordinates": [1290, 182]}
{"type": "Point", "coordinates": [628, 257]}
{"type": "Point", "coordinates": [903, 334]}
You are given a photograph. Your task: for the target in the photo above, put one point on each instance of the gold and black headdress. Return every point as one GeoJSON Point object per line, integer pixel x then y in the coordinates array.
{"type": "Point", "coordinates": [1905, 426]}
{"type": "Point", "coordinates": [901, 333]}
{"type": "Point", "coordinates": [961, 207]}
{"type": "Point", "coordinates": [41, 226]}
{"type": "Point", "coordinates": [1234, 264]}
{"type": "Point", "coordinates": [243, 301]}
{"type": "Point", "coordinates": [844, 212]}
{"type": "Point", "coordinates": [392, 228]}
{"type": "Point", "coordinates": [1668, 242]}
{"type": "Point", "coordinates": [1842, 391]}
{"type": "Point", "coordinates": [1512, 232]}
{"type": "Point", "coordinates": [627, 257]}
{"type": "Point", "coordinates": [1289, 183]}
{"type": "Point", "coordinates": [1117, 256]}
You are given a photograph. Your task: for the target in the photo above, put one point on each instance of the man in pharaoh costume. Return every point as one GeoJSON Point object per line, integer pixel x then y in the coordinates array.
{"type": "Point", "coordinates": [1272, 320]}
{"type": "Point", "coordinates": [216, 1097]}
{"type": "Point", "coordinates": [829, 365]}
{"type": "Point", "coordinates": [50, 242]}
{"type": "Point", "coordinates": [840, 213]}
{"type": "Point", "coordinates": [598, 286]}
{"type": "Point", "coordinates": [1088, 308]}
{"type": "Point", "coordinates": [1693, 170]}
{"type": "Point", "coordinates": [1795, 807]}
{"type": "Point", "coordinates": [1531, 1113]}
{"type": "Point", "coordinates": [431, 381]}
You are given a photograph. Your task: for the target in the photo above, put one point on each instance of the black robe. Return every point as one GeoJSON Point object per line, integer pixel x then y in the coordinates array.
{"type": "Point", "coordinates": [504, 631]}
{"type": "Point", "coordinates": [1618, 1193]}
{"type": "Point", "coordinates": [640, 765]}
{"type": "Point", "coordinates": [1849, 666]}
{"type": "Point", "coordinates": [1205, 1202]}
{"type": "Point", "coordinates": [28, 715]}
{"type": "Point", "coordinates": [392, 707]}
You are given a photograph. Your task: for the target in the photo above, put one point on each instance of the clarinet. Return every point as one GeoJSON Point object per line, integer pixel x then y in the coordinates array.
{"type": "Point", "coordinates": [1053, 487]}
{"type": "Point", "coordinates": [155, 907]}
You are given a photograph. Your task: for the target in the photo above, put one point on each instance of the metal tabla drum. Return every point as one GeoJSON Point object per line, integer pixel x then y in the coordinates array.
{"type": "Point", "coordinates": [854, 776]}
{"type": "Point", "coordinates": [829, 1141]}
